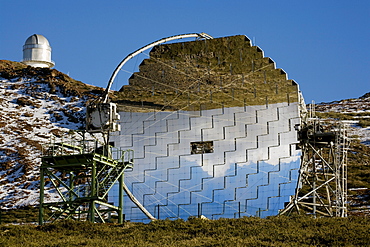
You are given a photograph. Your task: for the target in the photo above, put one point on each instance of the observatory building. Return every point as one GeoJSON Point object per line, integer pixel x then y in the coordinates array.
{"type": "Point", "coordinates": [212, 124]}
{"type": "Point", "coordinates": [37, 52]}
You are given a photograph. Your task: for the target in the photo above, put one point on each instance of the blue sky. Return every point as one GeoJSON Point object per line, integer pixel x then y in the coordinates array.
{"type": "Point", "coordinates": [322, 44]}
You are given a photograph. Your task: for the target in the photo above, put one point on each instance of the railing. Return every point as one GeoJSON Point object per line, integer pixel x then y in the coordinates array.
{"type": "Point", "coordinates": [77, 147]}
{"type": "Point", "coordinates": [69, 147]}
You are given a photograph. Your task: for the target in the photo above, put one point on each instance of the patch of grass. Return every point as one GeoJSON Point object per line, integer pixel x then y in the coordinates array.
{"type": "Point", "coordinates": [335, 115]}
{"type": "Point", "coordinates": [273, 231]}
{"type": "Point", "coordinates": [20, 215]}
{"type": "Point", "coordinates": [363, 122]}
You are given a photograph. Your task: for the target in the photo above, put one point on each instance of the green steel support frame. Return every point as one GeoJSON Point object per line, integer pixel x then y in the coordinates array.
{"type": "Point", "coordinates": [82, 173]}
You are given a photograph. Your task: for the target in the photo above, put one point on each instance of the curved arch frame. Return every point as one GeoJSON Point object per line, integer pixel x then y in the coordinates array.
{"type": "Point", "coordinates": [133, 54]}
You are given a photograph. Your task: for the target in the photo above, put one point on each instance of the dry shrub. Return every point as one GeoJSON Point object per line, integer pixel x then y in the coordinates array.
{"type": "Point", "coordinates": [3, 124]}
{"type": "Point", "coordinates": [28, 114]}
{"type": "Point", "coordinates": [27, 126]}
{"type": "Point", "coordinates": [57, 132]}
{"type": "Point", "coordinates": [6, 165]}
{"type": "Point", "coordinates": [31, 143]}
{"type": "Point", "coordinates": [42, 136]}
{"type": "Point", "coordinates": [25, 101]}
{"type": "Point", "coordinates": [7, 151]}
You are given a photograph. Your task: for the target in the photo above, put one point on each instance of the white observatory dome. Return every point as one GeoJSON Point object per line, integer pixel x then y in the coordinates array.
{"type": "Point", "coordinates": [37, 52]}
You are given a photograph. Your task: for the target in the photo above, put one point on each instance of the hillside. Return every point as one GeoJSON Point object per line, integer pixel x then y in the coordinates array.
{"type": "Point", "coordinates": [36, 105]}
{"type": "Point", "coordinates": [39, 104]}
{"type": "Point", "coordinates": [356, 112]}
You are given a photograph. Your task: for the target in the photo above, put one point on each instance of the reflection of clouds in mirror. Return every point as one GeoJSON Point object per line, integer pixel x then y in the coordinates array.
{"type": "Point", "coordinates": [253, 146]}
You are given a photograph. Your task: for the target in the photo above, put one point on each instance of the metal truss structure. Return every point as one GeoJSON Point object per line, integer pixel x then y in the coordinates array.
{"type": "Point", "coordinates": [322, 186]}
{"type": "Point", "coordinates": [82, 173]}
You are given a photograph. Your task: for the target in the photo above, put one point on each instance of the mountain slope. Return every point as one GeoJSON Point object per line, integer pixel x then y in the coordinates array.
{"type": "Point", "coordinates": [37, 104]}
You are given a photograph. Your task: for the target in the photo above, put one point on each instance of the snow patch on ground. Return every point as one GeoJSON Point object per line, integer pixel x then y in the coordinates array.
{"type": "Point", "coordinates": [30, 116]}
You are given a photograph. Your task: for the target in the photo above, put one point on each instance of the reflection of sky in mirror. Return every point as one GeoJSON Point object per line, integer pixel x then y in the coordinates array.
{"type": "Point", "coordinates": [252, 170]}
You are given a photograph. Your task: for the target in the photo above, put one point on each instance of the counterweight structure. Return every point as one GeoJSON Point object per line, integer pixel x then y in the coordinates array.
{"type": "Point", "coordinates": [82, 172]}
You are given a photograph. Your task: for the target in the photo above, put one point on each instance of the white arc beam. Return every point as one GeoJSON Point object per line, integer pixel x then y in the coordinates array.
{"type": "Point", "coordinates": [131, 55]}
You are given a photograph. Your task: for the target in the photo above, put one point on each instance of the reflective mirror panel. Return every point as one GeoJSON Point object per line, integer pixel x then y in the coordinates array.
{"type": "Point", "coordinates": [251, 171]}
